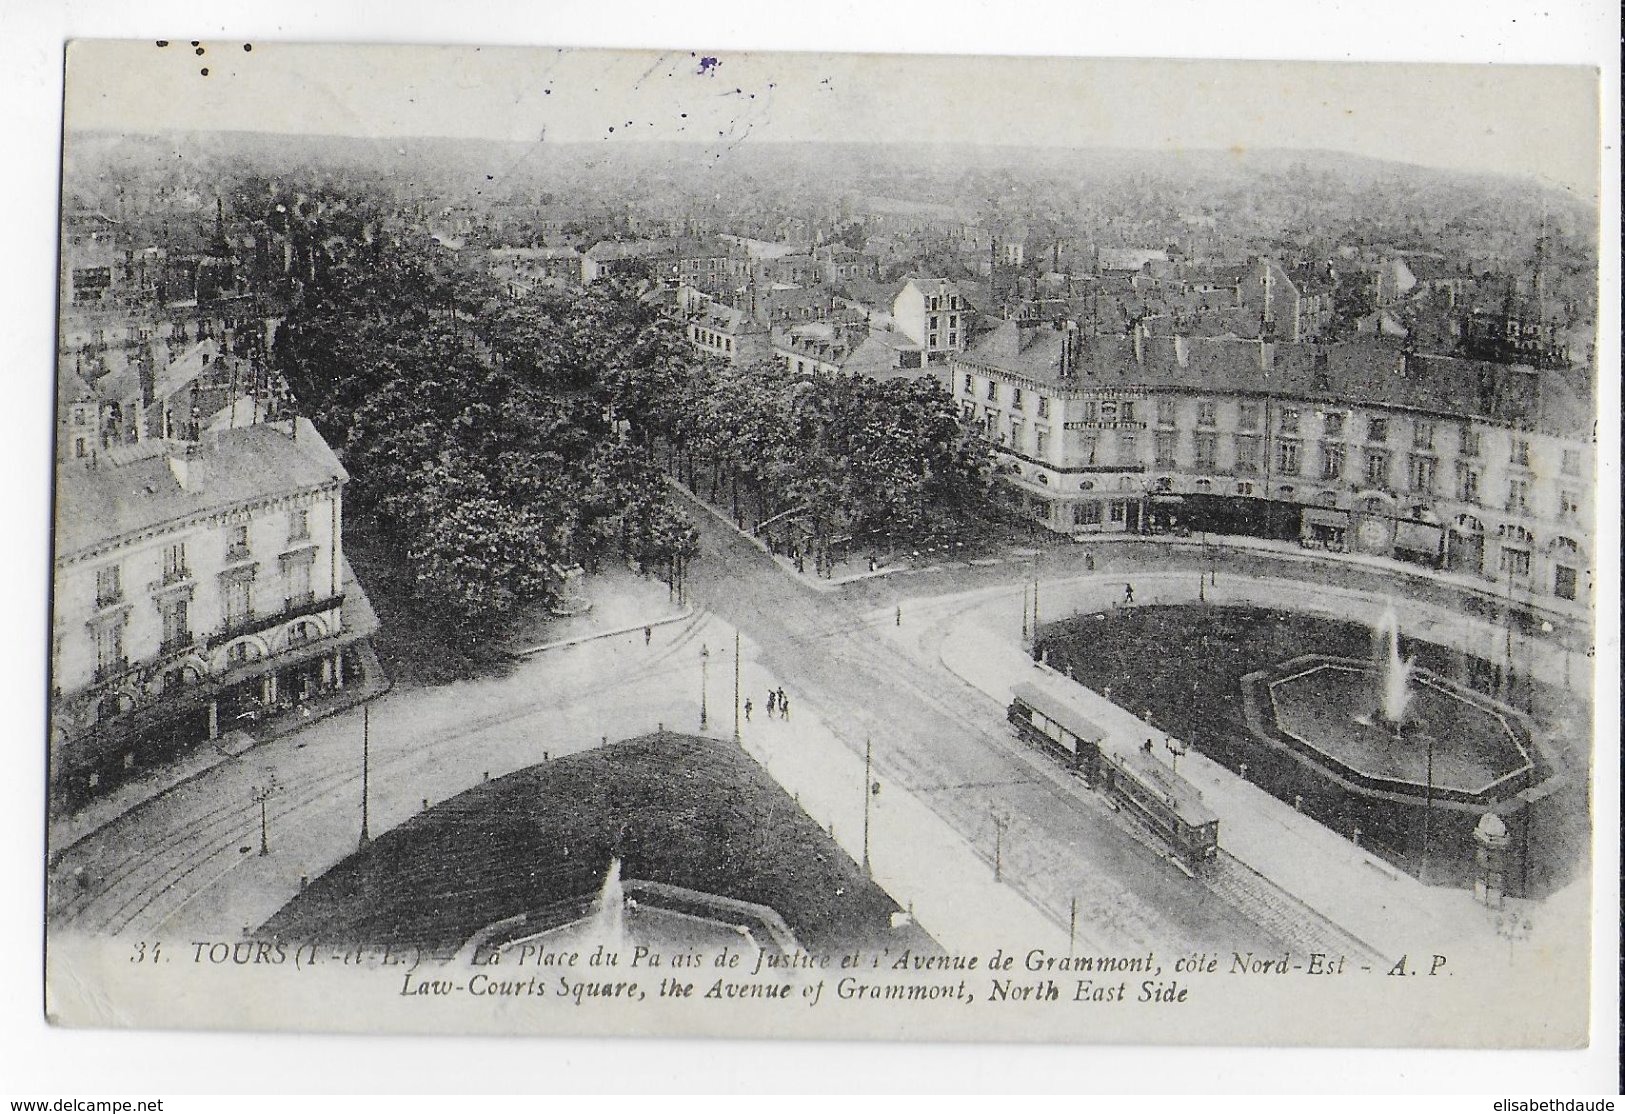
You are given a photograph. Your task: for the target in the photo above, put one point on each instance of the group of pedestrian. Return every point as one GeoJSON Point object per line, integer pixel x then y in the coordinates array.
{"type": "Point", "coordinates": [777, 702]}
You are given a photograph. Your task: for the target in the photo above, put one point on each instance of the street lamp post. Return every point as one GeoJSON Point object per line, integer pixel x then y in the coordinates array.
{"type": "Point", "coordinates": [736, 686]}
{"type": "Point", "coordinates": [705, 678]}
{"type": "Point", "coordinates": [1427, 809]}
{"type": "Point", "coordinates": [366, 743]}
{"type": "Point", "coordinates": [869, 788]}
{"type": "Point", "coordinates": [260, 795]}
{"type": "Point", "coordinates": [999, 822]}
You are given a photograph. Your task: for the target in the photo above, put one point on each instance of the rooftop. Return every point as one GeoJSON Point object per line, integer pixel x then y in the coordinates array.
{"type": "Point", "coordinates": [104, 500]}
{"type": "Point", "coordinates": [1370, 371]}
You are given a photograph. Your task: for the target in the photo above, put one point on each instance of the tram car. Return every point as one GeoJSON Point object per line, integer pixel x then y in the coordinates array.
{"type": "Point", "coordinates": [1170, 806]}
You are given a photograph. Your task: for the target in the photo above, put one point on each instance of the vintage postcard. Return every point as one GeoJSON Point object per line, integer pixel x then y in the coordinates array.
{"type": "Point", "coordinates": [696, 543]}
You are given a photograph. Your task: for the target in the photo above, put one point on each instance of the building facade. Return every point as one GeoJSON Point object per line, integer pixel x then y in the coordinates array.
{"type": "Point", "coordinates": [198, 587]}
{"type": "Point", "coordinates": [932, 312]}
{"type": "Point", "coordinates": [1482, 469]}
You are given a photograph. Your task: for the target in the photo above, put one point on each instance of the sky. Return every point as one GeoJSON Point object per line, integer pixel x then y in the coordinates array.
{"type": "Point", "coordinates": [1525, 120]}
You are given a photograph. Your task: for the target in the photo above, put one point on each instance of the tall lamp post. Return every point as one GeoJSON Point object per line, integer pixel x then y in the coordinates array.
{"type": "Point", "coordinates": [1427, 809]}
{"type": "Point", "coordinates": [260, 795]}
{"type": "Point", "coordinates": [705, 677]}
{"type": "Point", "coordinates": [366, 743]}
{"type": "Point", "coordinates": [870, 788]}
{"type": "Point", "coordinates": [999, 822]}
{"type": "Point", "coordinates": [736, 686]}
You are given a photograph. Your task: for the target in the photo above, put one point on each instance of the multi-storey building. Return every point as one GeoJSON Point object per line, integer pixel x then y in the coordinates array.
{"type": "Point", "coordinates": [198, 586]}
{"type": "Point", "coordinates": [1478, 467]}
{"type": "Point", "coordinates": [727, 333]}
{"type": "Point", "coordinates": [933, 313]}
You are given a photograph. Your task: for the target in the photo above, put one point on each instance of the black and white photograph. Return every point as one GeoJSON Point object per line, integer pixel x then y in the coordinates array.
{"type": "Point", "coordinates": [579, 542]}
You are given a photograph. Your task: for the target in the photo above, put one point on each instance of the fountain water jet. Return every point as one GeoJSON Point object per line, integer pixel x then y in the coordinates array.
{"type": "Point", "coordinates": [609, 912]}
{"type": "Point", "coordinates": [1396, 671]}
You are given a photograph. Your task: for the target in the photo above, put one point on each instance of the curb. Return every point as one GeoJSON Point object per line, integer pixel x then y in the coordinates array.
{"type": "Point", "coordinates": [530, 651]}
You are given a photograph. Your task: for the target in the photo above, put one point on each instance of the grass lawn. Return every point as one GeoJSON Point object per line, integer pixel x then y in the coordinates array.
{"type": "Point", "coordinates": [680, 810]}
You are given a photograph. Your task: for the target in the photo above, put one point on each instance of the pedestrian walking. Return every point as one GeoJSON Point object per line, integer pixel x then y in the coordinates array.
{"type": "Point", "coordinates": [1128, 593]}
{"type": "Point", "coordinates": [747, 709]}
{"type": "Point", "coordinates": [1089, 559]}
{"type": "Point", "coordinates": [772, 702]}
{"type": "Point", "coordinates": [648, 633]}
{"type": "Point", "coordinates": [784, 705]}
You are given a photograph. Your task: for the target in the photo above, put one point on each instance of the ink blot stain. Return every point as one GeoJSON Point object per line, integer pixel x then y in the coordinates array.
{"type": "Point", "coordinates": [199, 52]}
{"type": "Point", "coordinates": [204, 71]}
{"type": "Point", "coordinates": [247, 47]}
{"type": "Point", "coordinates": [708, 64]}
{"type": "Point", "coordinates": [196, 43]}
{"type": "Point", "coordinates": [163, 42]}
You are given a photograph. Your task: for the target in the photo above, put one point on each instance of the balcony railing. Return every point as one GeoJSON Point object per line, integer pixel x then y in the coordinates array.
{"type": "Point", "coordinates": [254, 624]}
{"type": "Point", "coordinates": [106, 671]}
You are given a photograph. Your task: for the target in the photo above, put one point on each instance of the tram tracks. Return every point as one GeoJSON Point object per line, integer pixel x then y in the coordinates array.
{"type": "Point", "coordinates": [145, 875]}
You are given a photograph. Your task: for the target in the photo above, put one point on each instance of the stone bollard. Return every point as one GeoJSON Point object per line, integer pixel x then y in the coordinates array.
{"type": "Point", "coordinates": [1357, 835]}
{"type": "Point", "coordinates": [1297, 802]}
{"type": "Point", "coordinates": [425, 804]}
{"type": "Point", "coordinates": [304, 880]}
{"type": "Point", "coordinates": [486, 776]}
{"type": "Point", "coordinates": [1244, 771]}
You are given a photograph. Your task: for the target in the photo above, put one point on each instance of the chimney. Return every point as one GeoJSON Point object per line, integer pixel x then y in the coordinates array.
{"type": "Point", "coordinates": [184, 465]}
{"type": "Point", "coordinates": [1182, 355]}
{"type": "Point", "coordinates": [1139, 342]}
{"type": "Point", "coordinates": [1266, 355]}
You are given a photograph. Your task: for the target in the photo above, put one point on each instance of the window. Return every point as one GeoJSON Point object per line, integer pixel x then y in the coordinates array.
{"type": "Point", "coordinates": [1091, 411]}
{"type": "Point", "coordinates": [1517, 496]}
{"type": "Point", "coordinates": [1015, 398]}
{"type": "Point", "coordinates": [177, 631]}
{"type": "Point", "coordinates": [1565, 583]}
{"type": "Point", "coordinates": [1331, 461]}
{"type": "Point", "coordinates": [1040, 442]}
{"type": "Point", "coordinates": [1244, 488]}
{"type": "Point", "coordinates": [237, 542]}
{"type": "Point", "coordinates": [79, 450]}
{"type": "Point", "coordinates": [933, 323]}
{"type": "Point", "coordinates": [1017, 429]}
{"type": "Point", "coordinates": [174, 562]}
{"type": "Point", "coordinates": [992, 391]}
{"type": "Point", "coordinates": [1128, 412]}
{"type": "Point", "coordinates": [933, 342]}
{"type": "Point", "coordinates": [1246, 454]}
{"type": "Point", "coordinates": [1119, 511]}
{"type": "Point", "coordinates": [1571, 462]}
{"type": "Point", "coordinates": [109, 649]}
{"type": "Point", "coordinates": [1165, 449]}
{"type": "Point", "coordinates": [1376, 468]}
{"type": "Point", "coordinates": [1289, 419]}
{"type": "Point", "coordinates": [298, 525]}
{"type": "Point", "coordinates": [1166, 409]}
{"type": "Point", "coordinates": [1043, 407]}
{"type": "Point", "coordinates": [1422, 435]}
{"type": "Point", "coordinates": [1520, 451]}
{"type": "Point", "coordinates": [109, 586]}
{"type": "Point", "coordinates": [1514, 562]}
{"type": "Point", "coordinates": [1086, 513]}
{"type": "Point", "coordinates": [953, 340]}
{"type": "Point", "coordinates": [936, 304]}
{"type": "Point", "coordinates": [1089, 448]}
{"type": "Point", "coordinates": [1376, 431]}
{"type": "Point", "coordinates": [1568, 504]}
{"type": "Point", "coordinates": [1471, 444]}
{"type": "Point", "coordinates": [1334, 424]}
{"type": "Point", "coordinates": [1207, 451]}
{"type": "Point", "coordinates": [1248, 418]}
{"type": "Point", "coordinates": [1128, 451]}
{"type": "Point", "coordinates": [1421, 472]}
{"type": "Point", "coordinates": [238, 602]}
{"type": "Point", "coordinates": [1286, 458]}
{"type": "Point", "coordinates": [1207, 413]}
{"type": "Point", "coordinates": [297, 591]}
{"type": "Point", "coordinates": [1467, 480]}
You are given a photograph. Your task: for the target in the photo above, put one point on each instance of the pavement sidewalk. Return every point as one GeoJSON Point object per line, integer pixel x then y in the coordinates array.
{"type": "Point", "coordinates": [927, 866]}
{"type": "Point", "coordinates": [1390, 910]}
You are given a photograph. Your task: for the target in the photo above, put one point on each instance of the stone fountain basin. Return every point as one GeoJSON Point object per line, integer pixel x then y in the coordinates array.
{"type": "Point", "coordinates": [1328, 708]}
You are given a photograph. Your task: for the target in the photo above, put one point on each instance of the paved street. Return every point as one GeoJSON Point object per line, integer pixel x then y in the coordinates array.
{"type": "Point", "coordinates": [960, 799]}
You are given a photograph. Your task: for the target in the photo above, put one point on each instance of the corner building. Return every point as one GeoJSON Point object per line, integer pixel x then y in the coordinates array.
{"type": "Point", "coordinates": [1478, 467]}
{"type": "Point", "coordinates": [199, 586]}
